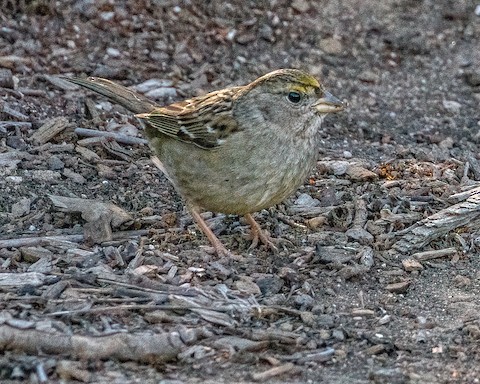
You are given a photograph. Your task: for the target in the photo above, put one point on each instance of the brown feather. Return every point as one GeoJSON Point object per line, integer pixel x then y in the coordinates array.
{"type": "Point", "coordinates": [203, 121]}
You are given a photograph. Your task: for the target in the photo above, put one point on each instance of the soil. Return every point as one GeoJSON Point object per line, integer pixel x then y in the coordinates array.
{"type": "Point", "coordinates": [351, 296]}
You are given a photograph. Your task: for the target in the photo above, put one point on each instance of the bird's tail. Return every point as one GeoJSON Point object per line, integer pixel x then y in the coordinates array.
{"type": "Point", "coordinates": [127, 98]}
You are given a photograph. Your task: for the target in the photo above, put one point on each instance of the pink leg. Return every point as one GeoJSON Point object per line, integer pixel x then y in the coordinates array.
{"type": "Point", "coordinates": [214, 240]}
{"type": "Point", "coordinates": [259, 234]}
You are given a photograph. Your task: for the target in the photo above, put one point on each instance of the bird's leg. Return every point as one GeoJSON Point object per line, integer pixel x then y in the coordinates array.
{"type": "Point", "coordinates": [259, 234]}
{"type": "Point", "coordinates": [214, 240]}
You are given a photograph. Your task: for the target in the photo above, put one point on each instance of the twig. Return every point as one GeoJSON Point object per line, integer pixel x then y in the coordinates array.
{"type": "Point", "coordinates": [138, 259]}
{"type": "Point", "coordinates": [357, 232]}
{"type": "Point", "coordinates": [15, 124]}
{"type": "Point", "coordinates": [290, 222]}
{"type": "Point", "coordinates": [275, 371]}
{"type": "Point", "coordinates": [46, 240]}
{"type": "Point", "coordinates": [116, 308]}
{"type": "Point", "coordinates": [42, 240]}
{"type": "Point", "coordinates": [428, 255]}
{"type": "Point", "coordinates": [16, 114]}
{"type": "Point", "coordinates": [118, 137]}
{"type": "Point", "coordinates": [144, 347]}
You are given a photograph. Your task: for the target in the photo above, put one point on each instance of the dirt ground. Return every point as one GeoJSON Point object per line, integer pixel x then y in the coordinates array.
{"type": "Point", "coordinates": [104, 278]}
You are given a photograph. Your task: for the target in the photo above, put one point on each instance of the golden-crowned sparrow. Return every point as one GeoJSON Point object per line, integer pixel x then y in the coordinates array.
{"type": "Point", "coordinates": [237, 150]}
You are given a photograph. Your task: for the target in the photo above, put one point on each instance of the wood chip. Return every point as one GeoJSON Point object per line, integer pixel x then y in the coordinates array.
{"type": "Point", "coordinates": [357, 173]}
{"type": "Point", "coordinates": [100, 216]}
{"type": "Point", "coordinates": [142, 347]}
{"type": "Point", "coordinates": [433, 227]}
{"type": "Point", "coordinates": [400, 287]}
{"type": "Point", "coordinates": [49, 130]}
{"type": "Point", "coordinates": [275, 371]}
{"type": "Point", "coordinates": [33, 254]}
{"type": "Point", "coordinates": [18, 279]}
{"type": "Point", "coordinates": [72, 370]}
{"type": "Point", "coordinates": [87, 154]}
{"type": "Point", "coordinates": [240, 343]}
{"type": "Point", "coordinates": [436, 254]}
{"type": "Point", "coordinates": [363, 312]}
{"type": "Point", "coordinates": [15, 114]}
{"type": "Point", "coordinates": [316, 222]}
{"type": "Point", "coordinates": [118, 137]}
{"type": "Point", "coordinates": [411, 265]}
{"type": "Point", "coordinates": [6, 78]}
{"type": "Point", "coordinates": [375, 349]}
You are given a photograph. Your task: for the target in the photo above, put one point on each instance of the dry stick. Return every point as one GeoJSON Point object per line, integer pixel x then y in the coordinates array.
{"type": "Point", "coordinates": [275, 371]}
{"type": "Point", "coordinates": [143, 347]}
{"type": "Point", "coordinates": [34, 241]}
{"type": "Point", "coordinates": [15, 124]}
{"type": "Point", "coordinates": [117, 308]}
{"type": "Point", "coordinates": [118, 137]}
{"type": "Point", "coordinates": [16, 114]}
{"type": "Point", "coordinates": [14, 279]}
{"type": "Point", "coordinates": [420, 234]}
{"type": "Point", "coordinates": [146, 307]}
{"type": "Point", "coordinates": [41, 240]}
{"type": "Point", "coordinates": [361, 213]}
{"type": "Point", "coordinates": [428, 255]}
{"type": "Point", "coordinates": [290, 222]}
{"type": "Point", "coordinates": [357, 232]}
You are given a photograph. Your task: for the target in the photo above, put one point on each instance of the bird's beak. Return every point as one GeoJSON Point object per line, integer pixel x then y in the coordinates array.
{"type": "Point", "coordinates": [328, 104]}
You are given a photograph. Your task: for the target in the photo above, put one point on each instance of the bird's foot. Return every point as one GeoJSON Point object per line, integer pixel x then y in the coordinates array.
{"type": "Point", "coordinates": [217, 245]}
{"type": "Point", "coordinates": [259, 235]}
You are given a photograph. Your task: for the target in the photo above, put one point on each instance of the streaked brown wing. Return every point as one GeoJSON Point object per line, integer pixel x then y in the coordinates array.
{"type": "Point", "coordinates": [204, 121]}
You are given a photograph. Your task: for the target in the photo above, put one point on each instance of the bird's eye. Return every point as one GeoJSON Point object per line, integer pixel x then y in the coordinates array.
{"type": "Point", "coordinates": [294, 97]}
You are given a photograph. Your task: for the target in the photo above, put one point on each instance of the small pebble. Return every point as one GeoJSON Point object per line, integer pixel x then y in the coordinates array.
{"type": "Point", "coordinates": [300, 5]}
{"type": "Point", "coordinates": [14, 179]}
{"type": "Point", "coordinates": [306, 200]}
{"type": "Point", "coordinates": [21, 207]}
{"type": "Point", "coordinates": [325, 321]}
{"type": "Point", "coordinates": [411, 265]}
{"type": "Point", "coordinates": [384, 320]}
{"type": "Point", "coordinates": [113, 52]}
{"type": "Point", "coordinates": [331, 46]}
{"type": "Point", "coordinates": [151, 84]}
{"type": "Point", "coordinates": [54, 163]}
{"type": "Point", "coordinates": [6, 78]}
{"type": "Point", "coordinates": [304, 301]}
{"type": "Point", "coordinates": [107, 16]}
{"type": "Point", "coordinates": [452, 106]}
{"type": "Point", "coordinates": [162, 93]}
{"type": "Point", "coordinates": [16, 142]}
{"type": "Point", "coordinates": [231, 34]}
{"type": "Point", "coordinates": [338, 335]}
{"type": "Point", "coordinates": [286, 327]}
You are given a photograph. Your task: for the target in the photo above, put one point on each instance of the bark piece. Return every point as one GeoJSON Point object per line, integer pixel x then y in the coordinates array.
{"type": "Point", "coordinates": [141, 347]}
{"type": "Point", "coordinates": [49, 130]}
{"type": "Point", "coordinates": [100, 216]}
{"type": "Point", "coordinates": [422, 233]}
